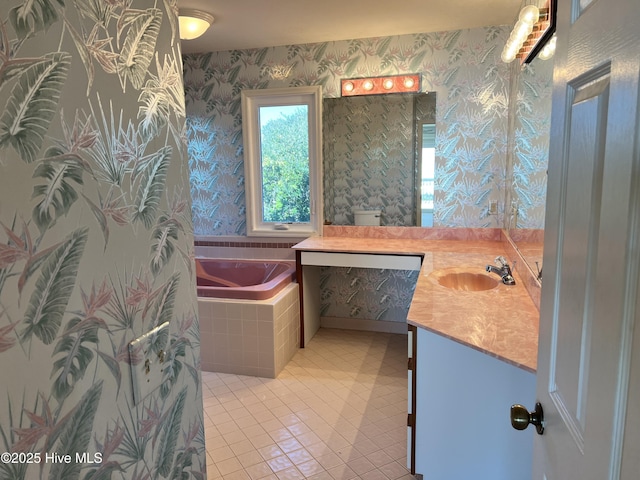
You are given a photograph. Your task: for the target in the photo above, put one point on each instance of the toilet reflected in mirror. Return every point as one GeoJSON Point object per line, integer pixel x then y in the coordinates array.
{"type": "Point", "coordinates": [370, 218]}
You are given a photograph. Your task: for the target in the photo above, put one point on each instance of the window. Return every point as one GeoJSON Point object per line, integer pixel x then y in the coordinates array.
{"type": "Point", "coordinates": [282, 135]}
{"type": "Point", "coordinates": [427, 169]}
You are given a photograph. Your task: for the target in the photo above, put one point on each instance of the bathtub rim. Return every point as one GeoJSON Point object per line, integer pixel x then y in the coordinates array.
{"type": "Point", "coordinates": [260, 292]}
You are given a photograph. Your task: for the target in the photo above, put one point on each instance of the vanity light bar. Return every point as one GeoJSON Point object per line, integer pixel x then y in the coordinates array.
{"type": "Point", "coordinates": [530, 34]}
{"type": "Point", "coordinates": [377, 85]}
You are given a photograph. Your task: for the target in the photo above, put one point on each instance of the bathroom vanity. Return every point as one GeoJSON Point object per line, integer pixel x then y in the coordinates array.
{"type": "Point", "coordinates": [472, 348]}
{"type": "Point", "coordinates": [335, 255]}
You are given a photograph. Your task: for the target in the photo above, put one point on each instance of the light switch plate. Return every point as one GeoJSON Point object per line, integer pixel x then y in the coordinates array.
{"type": "Point", "coordinates": [146, 375]}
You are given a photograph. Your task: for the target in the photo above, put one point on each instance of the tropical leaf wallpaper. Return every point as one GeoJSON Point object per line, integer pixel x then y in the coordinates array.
{"type": "Point", "coordinates": [366, 293]}
{"type": "Point", "coordinates": [471, 84]}
{"type": "Point", "coordinates": [531, 107]}
{"type": "Point", "coordinates": [96, 244]}
{"type": "Point", "coordinates": [463, 68]}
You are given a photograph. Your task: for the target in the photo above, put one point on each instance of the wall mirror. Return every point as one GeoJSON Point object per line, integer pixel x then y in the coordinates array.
{"type": "Point", "coordinates": [531, 95]}
{"type": "Point", "coordinates": [379, 152]}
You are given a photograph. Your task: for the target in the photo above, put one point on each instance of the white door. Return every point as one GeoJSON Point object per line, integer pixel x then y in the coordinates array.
{"type": "Point", "coordinates": [588, 365]}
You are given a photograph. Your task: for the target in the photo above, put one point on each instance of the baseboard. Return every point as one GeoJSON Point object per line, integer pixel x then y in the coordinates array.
{"type": "Point", "coordinates": [364, 324]}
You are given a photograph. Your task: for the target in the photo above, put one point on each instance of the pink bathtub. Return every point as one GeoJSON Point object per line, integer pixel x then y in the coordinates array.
{"type": "Point", "coordinates": [242, 279]}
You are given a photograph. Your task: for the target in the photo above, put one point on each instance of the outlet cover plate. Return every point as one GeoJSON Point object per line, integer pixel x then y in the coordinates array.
{"type": "Point", "coordinates": [146, 374]}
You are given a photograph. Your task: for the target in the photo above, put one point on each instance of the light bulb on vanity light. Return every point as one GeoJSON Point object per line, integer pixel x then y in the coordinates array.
{"type": "Point", "coordinates": [529, 14]}
{"type": "Point", "coordinates": [509, 53]}
{"type": "Point", "coordinates": [549, 49]}
{"type": "Point", "coordinates": [522, 30]}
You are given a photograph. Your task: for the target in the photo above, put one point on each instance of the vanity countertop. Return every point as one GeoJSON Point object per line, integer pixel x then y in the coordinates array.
{"type": "Point", "coordinates": [501, 322]}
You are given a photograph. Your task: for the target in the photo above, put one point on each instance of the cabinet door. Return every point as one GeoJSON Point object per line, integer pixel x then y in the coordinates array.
{"type": "Point", "coordinates": [411, 400]}
{"type": "Point", "coordinates": [462, 413]}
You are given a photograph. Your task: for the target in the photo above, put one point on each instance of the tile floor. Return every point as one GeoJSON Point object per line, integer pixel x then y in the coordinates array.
{"type": "Point", "coordinates": [337, 411]}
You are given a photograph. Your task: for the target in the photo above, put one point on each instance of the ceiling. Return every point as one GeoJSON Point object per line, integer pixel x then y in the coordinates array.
{"type": "Point", "coordinates": [243, 24]}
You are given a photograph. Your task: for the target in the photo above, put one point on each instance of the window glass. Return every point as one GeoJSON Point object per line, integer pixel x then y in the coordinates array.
{"type": "Point", "coordinates": [427, 172]}
{"type": "Point", "coordinates": [284, 163]}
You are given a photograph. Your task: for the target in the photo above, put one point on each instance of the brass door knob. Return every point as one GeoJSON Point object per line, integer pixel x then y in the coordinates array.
{"type": "Point", "coordinates": [521, 417]}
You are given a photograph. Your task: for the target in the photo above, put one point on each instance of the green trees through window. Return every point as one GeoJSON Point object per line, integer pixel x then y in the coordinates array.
{"type": "Point", "coordinates": [284, 145]}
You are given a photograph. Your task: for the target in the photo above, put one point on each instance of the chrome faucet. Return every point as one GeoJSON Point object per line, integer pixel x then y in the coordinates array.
{"type": "Point", "coordinates": [504, 271]}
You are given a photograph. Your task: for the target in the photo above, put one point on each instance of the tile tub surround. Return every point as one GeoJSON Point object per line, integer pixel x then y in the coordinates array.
{"type": "Point", "coordinates": [246, 337]}
{"type": "Point", "coordinates": [501, 322]}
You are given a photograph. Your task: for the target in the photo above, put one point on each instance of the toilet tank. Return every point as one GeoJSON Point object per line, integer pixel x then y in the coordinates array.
{"type": "Point", "coordinates": [367, 217]}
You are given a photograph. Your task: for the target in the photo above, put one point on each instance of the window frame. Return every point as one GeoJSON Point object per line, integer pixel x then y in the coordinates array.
{"type": "Point", "coordinates": [252, 100]}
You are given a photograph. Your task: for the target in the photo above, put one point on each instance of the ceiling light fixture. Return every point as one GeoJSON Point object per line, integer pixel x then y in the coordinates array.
{"type": "Point", "coordinates": [193, 23]}
{"type": "Point", "coordinates": [378, 85]}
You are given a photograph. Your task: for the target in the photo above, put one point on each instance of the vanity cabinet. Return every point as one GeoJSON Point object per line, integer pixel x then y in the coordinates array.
{"type": "Point", "coordinates": [458, 422]}
{"type": "Point", "coordinates": [472, 354]}
{"type": "Point", "coordinates": [411, 398]}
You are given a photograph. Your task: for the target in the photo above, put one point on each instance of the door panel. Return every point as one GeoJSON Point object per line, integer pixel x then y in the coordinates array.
{"type": "Point", "coordinates": [572, 338]}
{"type": "Point", "coordinates": [587, 355]}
